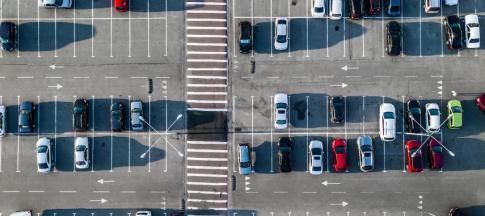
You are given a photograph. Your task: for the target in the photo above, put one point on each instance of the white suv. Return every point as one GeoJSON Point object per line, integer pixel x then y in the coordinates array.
{"type": "Point", "coordinates": [387, 122]}
{"type": "Point", "coordinates": [280, 111]}
{"type": "Point", "coordinates": [472, 31]}
{"type": "Point", "coordinates": [281, 34]}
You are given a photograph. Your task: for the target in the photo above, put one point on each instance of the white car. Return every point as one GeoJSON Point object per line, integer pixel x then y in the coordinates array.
{"type": "Point", "coordinates": [281, 111]}
{"type": "Point", "coordinates": [3, 121]}
{"type": "Point", "coordinates": [143, 213]}
{"type": "Point", "coordinates": [335, 11]}
{"type": "Point", "coordinates": [55, 3]}
{"type": "Point", "coordinates": [316, 154]}
{"type": "Point", "coordinates": [366, 153]}
{"type": "Point", "coordinates": [22, 213]}
{"type": "Point", "coordinates": [433, 115]}
{"type": "Point", "coordinates": [44, 155]}
{"type": "Point", "coordinates": [318, 8]}
{"type": "Point", "coordinates": [81, 152]}
{"type": "Point", "coordinates": [136, 110]}
{"type": "Point", "coordinates": [281, 34]}
{"type": "Point", "coordinates": [387, 122]}
{"type": "Point", "coordinates": [472, 31]}
{"type": "Point", "coordinates": [451, 2]}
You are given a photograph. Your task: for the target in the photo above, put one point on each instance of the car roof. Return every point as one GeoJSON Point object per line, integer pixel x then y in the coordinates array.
{"type": "Point", "coordinates": [26, 105]}
{"type": "Point", "coordinates": [364, 140]}
{"type": "Point", "coordinates": [282, 24]}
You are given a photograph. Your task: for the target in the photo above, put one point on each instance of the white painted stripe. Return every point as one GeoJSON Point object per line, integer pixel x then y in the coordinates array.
{"type": "Point", "coordinates": [209, 201]}
{"type": "Point", "coordinates": [205, 53]}
{"type": "Point", "coordinates": [206, 192]}
{"type": "Point", "coordinates": [207, 60]}
{"type": "Point", "coordinates": [207, 167]}
{"type": "Point", "coordinates": [206, 3]}
{"type": "Point", "coordinates": [208, 150]}
{"type": "Point", "coordinates": [205, 20]}
{"type": "Point", "coordinates": [36, 191]}
{"type": "Point", "coordinates": [208, 109]}
{"type": "Point", "coordinates": [11, 191]}
{"type": "Point", "coordinates": [206, 175]}
{"type": "Point", "coordinates": [206, 159]}
{"type": "Point", "coordinates": [206, 36]}
{"type": "Point", "coordinates": [53, 77]}
{"type": "Point", "coordinates": [206, 11]}
{"type": "Point", "coordinates": [218, 209]}
{"type": "Point", "coordinates": [206, 93]}
{"type": "Point", "coordinates": [207, 77]}
{"type": "Point", "coordinates": [130, 192]}
{"type": "Point", "coordinates": [207, 85]}
{"type": "Point", "coordinates": [100, 191]}
{"type": "Point", "coordinates": [206, 142]}
{"type": "Point", "coordinates": [207, 69]}
{"type": "Point", "coordinates": [208, 44]}
{"type": "Point", "coordinates": [192, 208]}
{"type": "Point", "coordinates": [208, 101]}
{"type": "Point", "coordinates": [208, 183]}
{"type": "Point", "coordinates": [68, 191]}
{"type": "Point", "coordinates": [206, 28]}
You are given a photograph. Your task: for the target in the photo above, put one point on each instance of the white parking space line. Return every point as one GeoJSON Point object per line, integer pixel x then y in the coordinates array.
{"type": "Point", "coordinates": [252, 122]}
{"type": "Point", "coordinates": [289, 116]}
{"type": "Point", "coordinates": [74, 141]}
{"type": "Point", "coordinates": [18, 29]}
{"type": "Point", "coordinates": [289, 29]}
{"type": "Point", "coordinates": [207, 167]}
{"type": "Point", "coordinates": [1, 103]}
{"type": "Point", "coordinates": [345, 117]}
{"type": "Point", "coordinates": [55, 32]}
{"type": "Point", "coordinates": [129, 138]}
{"type": "Point", "coordinates": [384, 146]}
{"type": "Point", "coordinates": [326, 129]}
{"type": "Point", "coordinates": [1, 20]}
{"type": "Point", "coordinates": [383, 30]}
{"type": "Point", "coordinates": [18, 138]}
{"type": "Point", "coordinates": [149, 132]}
{"type": "Point", "coordinates": [111, 30]}
{"type": "Point", "coordinates": [271, 132]}
{"type": "Point", "coordinates": [270, 24]}
{"type": "Point", "coordinates": [166, 29]}
{"type": "Point", "coordinates": [38, 117]}
{"type": "Point", "coordinates": [92, 28]}
{"type": "Point", "coordinates": [307, 134]}
{"type": "Point", "coordinates": [129, 30]}
{"type": "Point", "coordinates": [344, 20]}
{"type": "Point", "coordinates": [363, 38]}
{"type": "Point", "coordinates": [363, 115]}
{"type": "Point", "coordinates": [420, 30]}
{"type": "Point", "coordinates": [166, 134]}
{"type": "Point", "coordinates": [403, 135]}
{"type": "Point", "coordinates": [74, 28]}
{"type": "Point", "coordinates": [234, 133]}
{"type": "Point", "coordinates": [148, 29]}
{"type": "Point", "coordinates": [111, 137]}
{"type": "Point", "coordinates": [92, 135]}
{"type": "Point", "coordinates": [55, 131]}
{"type": "Point", "coordinates": [306, 11]}
{"type": "Point", "coordinates": [458, 14]}
{"type": "Point", "coordinates": [441, 30]}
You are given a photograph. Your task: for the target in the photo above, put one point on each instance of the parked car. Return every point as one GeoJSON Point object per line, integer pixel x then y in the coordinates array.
{"type": "Point", "coordinates": [339, 150]}
{"type": "Point", "coordinates": [366, 153]}
{"type": "Point", "coordinates": [456, 111]}
{"type": "Point", "coordinates": [472, 31]}
{"type": "Point", "coordinates": [281, 33]}
{"type": "Point", "coordinates": [244, 159]}
{"type": "Point", "coordinates": [284, 154]}
{"type": "Point", "coordinates": [337, 109]}
{"type": "Point", "coordinates": [55, 3]}
{"type": "Point", "coordinates": [121, 5]}
{"type": "Point", "coordinates": [373, 7]}
{"type": "Point", "coordinates": [413, 120]}
{"type": "Point", "coordinates": [453, 32]}
{"type": "Point", "coordinates": [394, 8]}
{"type": "Point", "coordinates": [432, 6]}
{"type": "Point", "coordinates": [117, 117]}
{"type": "Point", "coordinates": [456, 212]}
{"type": "Point", "coordinates": [81, 153]}
{"type": "Point", "coordinates": [451, 2]}
{"type": "Point", "coordinates": [44, 155]}
{"type": "Point", "coordinates": [136, 110]}
{"type": "Point", "coordinates": [80, 115]}
{"type": "Point", "coordinates": [414, 164]}
{"type": "Point", "coordinates": [26, 117]}
{"type": "Point", "coordinates": [318, 8]}
{"type": "Point", "coordinates": [245, 37]}
{"type": "Point", "coordinates": [281, 111]}
{"type": "Point", "coordinates": [22, 213]}
{"type": "Point", "coordinates": [3, 121]}
{"type": "Point", "coordinates": [143, 213]}
{"type": "Point", "coordinates": [387, 122]}
{"type": "Point", "coordinates": [335, 11]}
{"type": "Point", "coordinates": [435, 151]}
{"type": "Point", "coordinates": [433, 114]}
{"type": "Point", "coordinates": [8, 36]}
{"type": "Point", "coordinates": [316, 155]}
{"type": "Point", "coordinates": [480, 101]}
{"type": "Point", "coordinates": [393, 38]}
{"type": "Point", "coordinates": [356, 9]}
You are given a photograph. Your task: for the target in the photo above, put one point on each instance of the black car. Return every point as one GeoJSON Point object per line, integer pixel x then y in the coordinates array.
{"type": "Point", "coordinates": [393, 38]}
{"type": "Point", "coordinates": [245, 37]}
{"type": "Point", "coordinates": [456, 212]}
{"type": "Point", "coordinates": [356, 9]}
{"type": "Point", "coordinates": [80, 115]}
{"type": "Point", "coordinates": [26, 117]}
{"type": "Point", "coordinates": [284, 154]}
{"type": "Point", "coordinates": [117, 118]}
{"type": "Point", "coordinates": [453, 32]}
{"type": "Point", "coordinates": [413, 120]}
{"type": "Point", "coordinates": [8, 35]}
{"type": "Point", "coordinates": [337, 109]}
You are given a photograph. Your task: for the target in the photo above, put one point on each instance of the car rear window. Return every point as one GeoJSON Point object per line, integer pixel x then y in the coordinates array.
{"type": "Point", "coordinates": [474, 40]}
{"type": "Point", "coordinates": [319, 9]}
{"type": "Point", "coordinates": [80, 148]}
{"type": "Point", "coordinates": [316, 151]}
{"type": "Point", "coordinates": [437, 149]}
{"type": "Point", "coordinates": [434, 112]}
{"type": "Point", "coordinates": [340, 150]}
{"type": "Point", "coordinates": [281, 38]}
{"type": "Point", "coordinates": [43, 166]}
{"type": "Point", "coordinates": [280, 106]}
{"type": "Point", "coordinates": [281, 122]}
{"type": "Point", "coordinates": [388, 115]}
{"type": "Point", "coordinates": [42, 149]}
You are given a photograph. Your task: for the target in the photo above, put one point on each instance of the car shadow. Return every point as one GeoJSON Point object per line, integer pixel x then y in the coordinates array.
{"type": "Point", "coordinates": [137, 6]}
{"type": "Point", "coordinates": [109, 211]}
{"type": "Point", "coordinates": [207, 126]}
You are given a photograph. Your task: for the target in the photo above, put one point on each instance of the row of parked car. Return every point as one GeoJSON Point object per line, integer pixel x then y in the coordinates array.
{"type": "Point", "coordinates": [119, 5]}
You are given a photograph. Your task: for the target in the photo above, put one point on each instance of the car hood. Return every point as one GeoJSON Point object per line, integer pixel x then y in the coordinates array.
{"type": "Point", "coordinates": [245, 171]}
{"type": "Point", "coordinates": [434, 121]}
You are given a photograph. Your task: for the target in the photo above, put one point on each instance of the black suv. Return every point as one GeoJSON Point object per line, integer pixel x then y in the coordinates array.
{"type": "Point", "coordinates": [26, 117]}
{"type": "Point", "coordinates": [284, 154]}
{"type": "Point", "coordinates": [453, 32]}
{"type": "Point", "coordinates": [245, 37]}
{"type": "Point", "coordinates": [80, 115]}
{"type": "Point", "coordinates": [355, 9]}
{"type": "Point", "coordinates": [413, 110]}
{"type": "Point", "coordinates": [337, 109]}
{"type": "Point", "coordinates": [117, 118]}
{"type": "Point", "coordinates": [393, 38]}
{"type": "Point", "coordinates": [8, 36]}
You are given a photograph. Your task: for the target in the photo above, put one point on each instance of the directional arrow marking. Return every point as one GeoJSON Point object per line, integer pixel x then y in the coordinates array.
{"type": "Point", "coordinates": [54, 66]}
{"type": "Point", "coordinates": [343, 85]}
{"type": "Point", "coordinates": [58, 86]}
{"type": "Point", "coordinates": [346, 68]}
{"type": "Point", "coordinates": [343, 204]}
{"type": "Point", "coordinates": [326, 183]}
{"type": "Point", "coordinates": [102, 181]}
{"type": "Point", "coordinates": [102, 200]}
{"type": "Point", "coordinates": [247, 188]}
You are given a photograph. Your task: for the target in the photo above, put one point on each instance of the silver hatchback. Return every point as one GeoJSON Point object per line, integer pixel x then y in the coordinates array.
{"type": "Point", "coordinates": [366, 153]}
{"type": "Point", "coordinates": [136, 113]}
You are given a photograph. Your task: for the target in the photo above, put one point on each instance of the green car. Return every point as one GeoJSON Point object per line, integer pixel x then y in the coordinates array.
{"type": "Point", "coordinates": [456, 112]}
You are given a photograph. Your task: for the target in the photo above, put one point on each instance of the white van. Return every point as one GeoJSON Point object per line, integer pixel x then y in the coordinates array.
{"type": "Point", "coordinates": [432, 6]}
{"type": "Point", "coordinates": [335, 10]}
{"type": "Point", "coordinates": [22, 213]}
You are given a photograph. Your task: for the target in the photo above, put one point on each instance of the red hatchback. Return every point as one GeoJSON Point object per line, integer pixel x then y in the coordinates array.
{"type": "Point", "coordinates": [481, 102]}
{"type": "Point", "coordinates": [373, 7]}
{"type": "Point", "coordinates": [435, 154]}
{"type": "Point", "coordinates": [339, 149]}
{"type": "Point", "coordinates": [415, 164]}
{"type": "Point", "coordinates": [121, 5]}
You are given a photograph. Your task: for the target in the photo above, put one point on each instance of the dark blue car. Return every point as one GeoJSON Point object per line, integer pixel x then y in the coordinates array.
{"type": "Point", "coordinates": [26, 117]}
{"type": "Point", "coordinates": [8, 36]}
{"type": "Point", "coordinates": [394, 7]}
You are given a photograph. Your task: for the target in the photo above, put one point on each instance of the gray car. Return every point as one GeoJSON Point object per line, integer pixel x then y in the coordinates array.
{"type": "Point", "coordinates": [136, 110]}
{"type": "Point", "coordinates": [366, 153]}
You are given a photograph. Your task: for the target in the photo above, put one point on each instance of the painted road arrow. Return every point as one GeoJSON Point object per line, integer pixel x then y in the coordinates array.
{"type": "Point", "coordinates": [54, 66]}
{"type": "Point", "coordinates": [347, 68]}
{"type": "Point", "coordinates": [102, 181]}
{"type": "Point", "coordinates": [326, 183]}
{"type": "Point", "coordinates": [343, 204]}
{"type": "Point", "coordinates": [58, 86]}
{"type": "Point", "coordinates": [343, 85]}
{"type": "Point", "coordinates": [102, 200]}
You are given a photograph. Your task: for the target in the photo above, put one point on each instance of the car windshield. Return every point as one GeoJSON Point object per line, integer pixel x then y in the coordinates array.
{"type": "Point", "coordinates": [394, 9]}
{"type": "Point", "coordinates": [367, 154]}
{"type": "Point", "coordinates": [281, 111]}
{"type": "Point", "coordinates": [59, 2]}
{"type": "Point", "coordinates": [474, 40]}
{"type": "Point", "coordinates": [437, 149]}
{"type": "Point", "coordinates": [281, 122]}
{"type": "Point", "coordinates": [340, 150]}
{"type": "Point", "coordinates": [281, 38]}
{"type": "Point", "coordinates": [365, 148]}
{"type": "Point", "coordinates": [415, 110]}
{"type": "Point", "coordinates": [80, 163]}
{"type": "Point", "coordinates": [42, 149]}
{"type": "Point", "coordinates": [244, 41]}
{"type": "Point", "coordinates": [80, 148]}
{"type": "Point", "coordinates": [317, 168]}
{"type": "Point", "coordinates": [43, 166]}
{"type": "Point", "coordinates": [456, 109]}
{"type": "Point", "coordinates": [280, 106]}
{"type": "Point", "coordinates": [434, 112]}
{"type": "Point", "coordinates": [78, 109]}
{"type": "Point", "coordinates": [319, 10]}
{"type": "Point", "coordinates": [135, 110]}
{"type": "Point", "coordinates": [316, 151]}
{"type": "Point", "coordinates": [389, 115]}
{"type": "Point", "coordinates": [245, 164]}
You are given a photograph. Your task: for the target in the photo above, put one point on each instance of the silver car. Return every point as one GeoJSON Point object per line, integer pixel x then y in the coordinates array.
{"type": "Point", "coordinates": [136, 110]}
{"type": "Point", "coordinates": [366, 153]}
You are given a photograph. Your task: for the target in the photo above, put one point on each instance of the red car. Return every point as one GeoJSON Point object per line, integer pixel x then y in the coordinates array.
{"type": "Point", "coordinates": [339, 149]}
{"type": "Point", "coordinates": [435, 154]}
{"type": "Point", "coordinates": [373, 7]}
{"type": "Point", "coordinates": [481, 102]}
{"type": "Point", "coordinates": [121, 5]}
{"type": "Point", "coordinates": [415, 164]}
